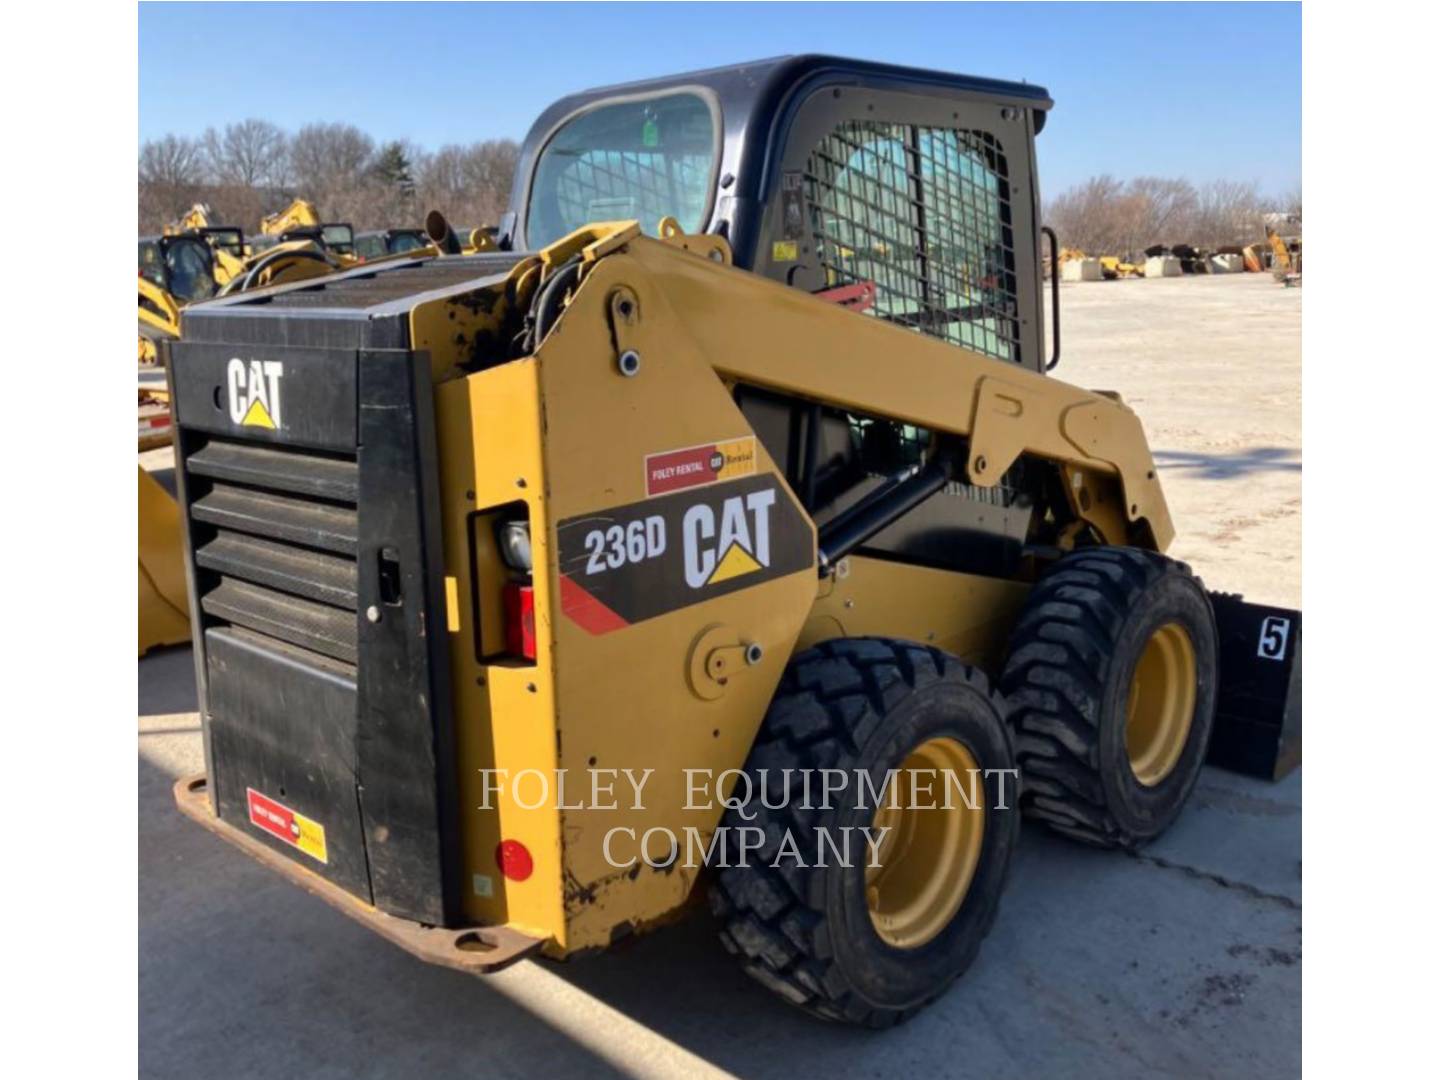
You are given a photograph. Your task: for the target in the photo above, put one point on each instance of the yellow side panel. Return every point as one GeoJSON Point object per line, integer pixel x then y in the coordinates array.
{"type": "Point", "coordinates": [964, 614]}
{"type": "Point", "coordinates": [164, 618]}
{"type": "Point", "coordinates": [625, 697]}
{"type": "Point", "coordinates": [488, 426]}
{"type": "Point", "coordinates": [763, 333]}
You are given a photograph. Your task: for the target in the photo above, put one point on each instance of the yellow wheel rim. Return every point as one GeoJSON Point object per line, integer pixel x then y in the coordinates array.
{"type": "Point", "coordinates": [1161, 704]}
{"type": "Point", "coordinates": [925, 862]}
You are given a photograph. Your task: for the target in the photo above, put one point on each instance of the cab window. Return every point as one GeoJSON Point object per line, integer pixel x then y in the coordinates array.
{"type": "Point", "coordinates": [405, 241]}
{"type": "Point", "coordinates": [152, 267]}
{"type": "Point", "coordinates": [338, 238]}
{"type": "Point", "coordinates": [189, 270]}
{"type": "Point", "coordinates": [631, 160]}
{"type": "Point", "coordinates": [924, 214]}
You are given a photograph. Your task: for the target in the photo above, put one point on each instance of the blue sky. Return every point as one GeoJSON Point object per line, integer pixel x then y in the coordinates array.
{"type": "Point", "coordinates": [1194, 90]}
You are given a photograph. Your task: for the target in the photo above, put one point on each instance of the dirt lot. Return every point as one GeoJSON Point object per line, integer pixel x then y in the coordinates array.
{"type": "Point", "coordinates": [1184, 960]}
{"type": "Point", "coordinates": [1212, 365]}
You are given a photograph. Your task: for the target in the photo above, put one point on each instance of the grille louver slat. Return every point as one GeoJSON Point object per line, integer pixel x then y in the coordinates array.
{"type": "Point", "coordinates": [311, 574]}
{"type": "Point", "coordinates": [300, 474]}
{"type": "Point", "coordinates": [279, 517]}
{"type": "Point", "coordinates": [275, 534]}
{"type": "Point", "coordinates": [320, 627]}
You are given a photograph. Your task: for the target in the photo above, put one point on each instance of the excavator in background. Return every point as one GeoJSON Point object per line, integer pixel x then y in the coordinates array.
{"type": "Point", "coordinates": [229, 239]}
{"type": "Point", "coordinates": [191, 261]}
{"type": "Point", "coordinates": [1284, 256]}
{"type": "Point", "coordinates": [176, 269]}
{"type": "Point", "coordinates": [301, 221]}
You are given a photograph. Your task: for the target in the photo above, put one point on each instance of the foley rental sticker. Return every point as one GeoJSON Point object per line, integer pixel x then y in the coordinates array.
{"type": "Point", "coordinates": [285, 824]}
{"type": "Point", "coordinates": [695, 466]}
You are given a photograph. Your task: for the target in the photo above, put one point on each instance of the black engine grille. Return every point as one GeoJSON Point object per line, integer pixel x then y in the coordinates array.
{"type": "Point", "coordinates": [275, 534]}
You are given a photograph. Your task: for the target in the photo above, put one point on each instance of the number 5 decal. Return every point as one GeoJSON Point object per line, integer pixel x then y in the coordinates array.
{"type": "Point", "coordinates": [1274, 636]}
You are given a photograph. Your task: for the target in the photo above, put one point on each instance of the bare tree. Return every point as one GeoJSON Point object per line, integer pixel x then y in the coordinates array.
{"type": "Point", "coordinates": [1156, 211]}
{"type": "Point", "coordinates": [1103, 216]}
{"type": "Point", "coordinates": [1290, 201]}
{"type": "Point", "coordinates": [470, 185]}
{"type": "Point", "coordinates": [173, 160]}
{"type": "Point", "coordinates": [161, 204]}
{"type": "Point", "coordinates": [253, 153]}
{"type": "Point", "coordinates": [1226, 212]}
{"type": "Point", "coordinates": [1087, 216]}
{"type": "Point", "coordinates": [328, 158]}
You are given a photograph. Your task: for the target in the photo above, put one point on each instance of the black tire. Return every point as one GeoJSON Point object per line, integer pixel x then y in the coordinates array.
{"type": "Point", "coordinates": [806, 932]}
{"type": "Point", "coordinates": [1072, 655]}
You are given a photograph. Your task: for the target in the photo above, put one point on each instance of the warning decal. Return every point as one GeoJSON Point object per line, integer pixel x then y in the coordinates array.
{"type": "Point", "coordinates": [285, 824]}
{"type": "Point", "coordinates": [695, 466]}
{"type": "Point", "coordinates": [629, 563]}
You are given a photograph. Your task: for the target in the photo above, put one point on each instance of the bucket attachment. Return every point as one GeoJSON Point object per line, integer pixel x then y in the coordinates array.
{"type": "Point", "coordinates": [1257, 715]}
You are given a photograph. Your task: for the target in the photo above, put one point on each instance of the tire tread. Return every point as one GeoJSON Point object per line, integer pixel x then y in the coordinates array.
{"type": "Point", "coordinates": [1061, 647]}
{"type": "Point", "coordinates": [842, 688]}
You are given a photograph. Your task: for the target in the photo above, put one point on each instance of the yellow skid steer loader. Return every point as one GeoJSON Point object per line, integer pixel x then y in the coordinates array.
{"type": "Point", "coordinates": [718, 534]}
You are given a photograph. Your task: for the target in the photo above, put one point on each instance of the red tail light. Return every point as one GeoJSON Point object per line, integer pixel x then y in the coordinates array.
{"type": "Point", "coordinates": [514, 860]}
{"type": "Point", "coordinates": [520, 620]}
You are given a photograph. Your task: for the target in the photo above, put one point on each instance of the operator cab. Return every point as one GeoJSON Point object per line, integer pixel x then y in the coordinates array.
{"type": "Point", "coordinates": [381, 242]}
{"type": "Point", "coordinates": [184, 266]}
{"type": "Point", "coordinates": [905, 193]}
{"type": "Point", "coordinates": [227, 238]}
{"type": "Point", "coordinates": [335, 237]}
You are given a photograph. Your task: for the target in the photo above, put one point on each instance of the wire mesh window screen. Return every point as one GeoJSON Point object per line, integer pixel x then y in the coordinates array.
{"type": "Point", "coordinates": [614, 185]}
{"type": "Point", "coordinates": [924, 213]}
{"type": "Point", "coordinates": [641, 160]}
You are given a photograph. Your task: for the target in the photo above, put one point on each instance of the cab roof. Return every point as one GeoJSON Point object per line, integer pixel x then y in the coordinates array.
{"type": "Point", "coordinates": [759, 79]}
{"type": "Point", "coordinates": [757, 98]}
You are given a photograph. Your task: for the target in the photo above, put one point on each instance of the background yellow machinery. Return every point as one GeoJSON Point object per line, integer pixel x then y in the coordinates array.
{"type": "Point", "coordinates": [164, 607]}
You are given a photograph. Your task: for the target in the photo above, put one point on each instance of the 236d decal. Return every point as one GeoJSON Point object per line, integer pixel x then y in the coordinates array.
{"type": "Point", "coordinates": [634, 562]}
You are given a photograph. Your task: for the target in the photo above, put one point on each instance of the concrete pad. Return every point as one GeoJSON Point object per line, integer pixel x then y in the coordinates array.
{"type": "Point", "coordinates": [1099, 964]}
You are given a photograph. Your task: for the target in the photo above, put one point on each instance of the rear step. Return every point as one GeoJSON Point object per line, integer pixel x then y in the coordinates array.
{"type": "Point", "coordinates": [326, 630]}
{"type": "Point", "coordinates": [310, 574]}
{"type": "Point", "coordinates": [475, 949]}
{"type": "Point", "coordinates": [287, 470]}
{"type": "Point", "coordinates": [332, 528]}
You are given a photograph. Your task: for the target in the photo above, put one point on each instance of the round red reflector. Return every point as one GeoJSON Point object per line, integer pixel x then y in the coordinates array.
{"type": "Point", "coordinates": [514, 860]}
